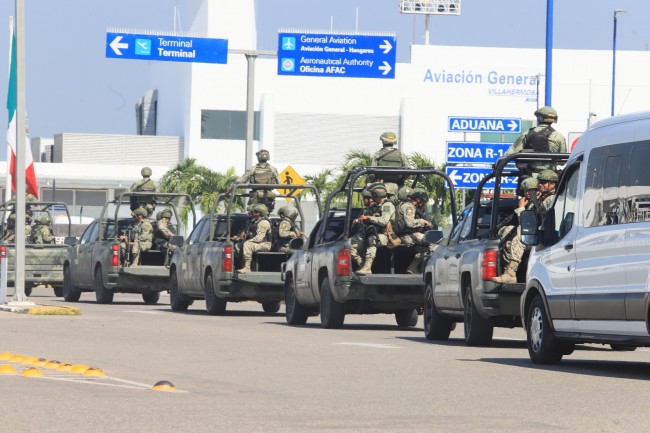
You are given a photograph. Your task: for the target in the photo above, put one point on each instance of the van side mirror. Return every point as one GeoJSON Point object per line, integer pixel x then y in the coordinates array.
{"type": "Point", "coordinates": [70, 240]}
{"type": "Point", "coordinates": [529, 228]}
{"type": "Point", "coordinates": [177, 241]}
{"type": "Point", "coordinates": [433, 236]}
{"type": "Point", "coordinates": [297, 243]}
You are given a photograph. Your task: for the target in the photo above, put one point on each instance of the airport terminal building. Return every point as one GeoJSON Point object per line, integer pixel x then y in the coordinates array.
{"type": "Point", "coordinates": [198, 110]}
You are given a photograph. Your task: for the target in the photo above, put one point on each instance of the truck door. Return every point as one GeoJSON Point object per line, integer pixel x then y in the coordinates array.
{"type": "Point", "coordinates": [303, 268]}
{"type": "Point", "coordinates": [446, 290]}
{"type": "Point", "coordinates": [189, 278]}
{"type": "Point", "coordinates": [82, 272]}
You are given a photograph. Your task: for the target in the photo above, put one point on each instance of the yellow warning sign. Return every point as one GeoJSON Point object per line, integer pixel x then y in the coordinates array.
{"type": "Point", "coordinates": [289, 176]}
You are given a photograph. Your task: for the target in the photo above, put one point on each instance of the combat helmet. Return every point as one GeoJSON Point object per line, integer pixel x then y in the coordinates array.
{"type": "Point", "coordinates": [140, 211]}
{"type": "Point", "coordinates": [388, 138]}
{"type": "Point", "coordinates": [30, 197]}
{"type": "Point", "coordinates": [548, 175]}
{"type": "Point", "coordinates": [546, 114]}
{"type": "Point", "coordinates": [262, 209]}
{"type": "Point", "coordinates": [365, 193]}
{"type": "Point", "coordinates": [43, 219]}
{"type": "Point", "coordinates": [420, 193]}
{"type": "Point", "coordinates": [378, 189]}
{"type": "Point", "coordinates": [165, 213]}
{"type": "Point", "coordinates": [263, 155]}
{"type": "Point", "coordinates": [404, 192]}
{"type": "Point", "coordinates": [146, 172]}
{"type": "Point", "coordinates": [284, 211]}
{"type": "Point", "coordinates": [529, 183]}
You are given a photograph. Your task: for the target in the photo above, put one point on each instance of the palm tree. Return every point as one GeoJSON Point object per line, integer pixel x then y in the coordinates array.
{"type": "Point", "coordinates": [324, 182]}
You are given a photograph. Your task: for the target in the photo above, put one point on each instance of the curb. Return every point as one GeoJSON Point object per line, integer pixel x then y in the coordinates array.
{"type": "Point", "coordinates": [42, 310]}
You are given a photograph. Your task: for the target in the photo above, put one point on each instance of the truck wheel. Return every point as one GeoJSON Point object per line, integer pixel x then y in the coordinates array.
{"type": "Point", "coordinates": [151, 298]}
{"type": "Point", "coordinates": [214, 305]}
{"type": "Point", "coordinates": [478, 331]}
{"type": "Point", "coordinates": [332, 314]}
{"type": "Point", "coordinates": [58, 291]}
{"type": "Point", "coordinates": [28, 289]}
{"type": "Point", "coordinates": [295, 313]}
{"type": "Point", "coordinates": [102, 294]}
{"type": "Point", "coordinates": [178, 301]}
{"type": "Point", "coordinates": [436, 327]}
{"type": "Point", "coordinates": [543, 348]}
{"type": "Point", "coordinates": [620, 348]}
{"type": "Point", "coordinates": [271, 307]}
{"type": "Point", "coordinates": [70, 294]}
{"type": "Point", "coordinates": [406, 318]}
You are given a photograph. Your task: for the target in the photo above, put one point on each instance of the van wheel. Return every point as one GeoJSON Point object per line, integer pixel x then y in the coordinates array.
{"type": "Point", "coordinates": [406, 318]}
{"type": "Point", "coordinates": [478, 331]}
{"type": "Point", "coordinates": [214, 305]}
{"type": "Point", "coordinates": [271, 307]}
{"type": "Point", "coordinates": [543, 348]}
{"type": "Point", "coordinates": [70, 293]}
{"type": "Point", "coordinates": [332, 314]}
{"type": "Point", "coordinates": [151, 298]}
{"type": "Point", "coordinates": [295, 313]}
{"type": "Point", "coordinates": [102, 294]}
{"type": "Point", "coordinates": [178, 301]}
{"type": "Point", "coordinates": [436, 327]}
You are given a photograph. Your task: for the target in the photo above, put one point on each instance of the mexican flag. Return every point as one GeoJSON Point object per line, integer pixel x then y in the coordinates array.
{"type": "Point", "coordinates": [30, 176]}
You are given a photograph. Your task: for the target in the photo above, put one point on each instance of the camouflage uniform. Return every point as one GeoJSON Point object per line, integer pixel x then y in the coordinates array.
{"type": "Point", "coordinates": [386, 214]}
{"type": "Point", "coordinates": [260, 242]}
{"type": "Point", "coordinates": [142, 240]}
{"type": "Point", "coordinates": [163, 231]}
{"type": "Point", "coordinates": [359, 234]}
{"type": "Point", "coordinates": [413, 233]}
{"type": "Point", "coordinates": [286, 232]}
{"type": "Point", "coordinates": [41, 234]}
{"type": "Point", "coordinates": [144, 185]}
{"type": "Point", "coordinates": [261, 173]}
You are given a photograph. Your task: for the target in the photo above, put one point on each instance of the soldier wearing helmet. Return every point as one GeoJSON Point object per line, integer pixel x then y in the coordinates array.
{"type": "Point", "coordinates": [287, 229]}
{"type": "Point", "coordinates": [547, 183]}
{"type": "Point", "coordinates": [359, 229]}
{"type": "Point", "coordinates": [140, 238]}
{"type": "Point", "coordinates": [9, 234]}
{"type": "Point", "coordinates": [385, 214]}
{"type": "Point", "coordinates": [41, 233]}
{"type": "Point", "coordinates": [541, 138]}
{"type": "Point", "coordinates": [261, 173]}
{"type": "Point", "coordinates": [389, 156]}
{"type": "Point", "coordinates": [410, 226]}
{"type": "Point", "coordinates": [146, 184]}
{"type": "Point", "coordinates": [163, 230]}
{"type": "Point", "coordinates": [261, 241]}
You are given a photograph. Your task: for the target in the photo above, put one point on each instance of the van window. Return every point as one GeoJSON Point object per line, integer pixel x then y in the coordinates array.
{"type": "Point", "coordinates": [604, 198]}
{"type": "Point", "coordinates": [565, 203]}
{"type": "Point", "coordinates": [638, 186]}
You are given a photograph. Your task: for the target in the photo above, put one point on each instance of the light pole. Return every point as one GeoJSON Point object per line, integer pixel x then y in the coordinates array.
{"type": "Point", "coordinates": [537, 77]}
{"type": "Point", "coordinates": [616, 12]}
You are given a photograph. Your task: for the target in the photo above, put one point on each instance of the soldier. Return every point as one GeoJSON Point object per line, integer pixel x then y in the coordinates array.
{"type": "Point", "coordinates": [287, 229]}
{"type": "Point", "coordinates": [422, 199]}
{"type": "Point", "coordinates": [163, 231]}
{"type": "Point", "coordinates": [386, 211]}
{"type": "Point", "coordinates": [547, 183]}
{"type": "Point", "coordinates": [41, 234]}
{"type": "Point", "coordinates": [359, 229]}
{"type": "Point", "coordinates": [146, 184]}
{"type": "Point", "coordinates": [389, 156]}
{"type": "Point", "coordinates": [261, 173]}
{"type": "Point", "coordinates": [10, 230]}
{"type": "Point", "coordinates": [410, 227]}
{"type": "Point", "coordinates": [262, 239]}
{"type": "Point", "coordinates": [141, 238]}
{"type": "Point", "coordinates": [541, 138]}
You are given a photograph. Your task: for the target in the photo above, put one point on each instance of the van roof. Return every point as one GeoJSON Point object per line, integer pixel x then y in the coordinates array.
{"type": "Point", "coordinates": [624, 118]}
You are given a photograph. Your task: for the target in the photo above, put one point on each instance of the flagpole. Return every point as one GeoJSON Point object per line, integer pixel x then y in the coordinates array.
{"type": "Point", "coordinates": [4, 264]}
{"type": "Point", "coordinates": [19, 280]}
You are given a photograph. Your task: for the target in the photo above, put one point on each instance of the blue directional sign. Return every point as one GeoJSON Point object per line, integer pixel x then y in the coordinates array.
{"type": "Point", "coordinates": [459, 152]}
{"type": "Point", "coordinates": [166, 48]}
{"type": "Point", "coordinates": [485, 124]}
{"type": "Point", "coordinates": [329, 55]}
{"type": "Point", "coordinates": [469, 178]}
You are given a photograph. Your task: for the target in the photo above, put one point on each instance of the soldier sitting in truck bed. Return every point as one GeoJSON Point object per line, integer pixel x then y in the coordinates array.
{"type": "Point", "coordinates": [386, 214]}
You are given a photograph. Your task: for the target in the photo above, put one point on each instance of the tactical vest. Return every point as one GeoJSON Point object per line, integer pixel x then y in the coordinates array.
{"type": "Point", "coordinates": [145, 185]}
{"type": "Point", "coordinates": [269, 235]}
{"type": "Point", "coordinates": [538, 140]}
{"type": "Point", "coordinates": [263, 174]}
{"type": "Point", "coordinates": [390, 158]}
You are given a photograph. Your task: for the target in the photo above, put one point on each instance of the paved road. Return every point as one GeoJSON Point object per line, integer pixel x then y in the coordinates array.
{"type": "Point", "coordinates": [249, 372]}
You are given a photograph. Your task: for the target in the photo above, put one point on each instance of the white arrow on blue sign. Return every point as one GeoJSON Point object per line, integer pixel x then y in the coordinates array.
{"type": "Point", "coordinates": [485, 124]}
{"type": "Point", "coordinates": [469, 178]}
{"type": "Point", "coordinates": [467, 152]}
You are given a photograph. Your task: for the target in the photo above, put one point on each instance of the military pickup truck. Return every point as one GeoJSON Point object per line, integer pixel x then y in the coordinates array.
{"type": "Point", "coordinates": [43, 262]}
{"type": "Point", "coordinates": [321, 276]}
{"type": "Point", "coordinates": [96, 263]}
{"type": "Point", "coordinates": [205, 265]}
{"type": "Point", "coordinates": [457, 275]}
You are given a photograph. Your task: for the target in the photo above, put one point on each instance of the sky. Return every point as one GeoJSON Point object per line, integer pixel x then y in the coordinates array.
{"type": "Point", "coordinates": [72, 87]}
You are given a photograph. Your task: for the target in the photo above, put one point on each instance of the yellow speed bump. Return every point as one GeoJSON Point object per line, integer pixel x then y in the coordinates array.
{"type": "Point", "coordinates": [5, 356]}
{"type": "Point", "coordinates": [64, 367]}
{"type": "Point", "coordinates": [79, 369]}
{"type": "Point", "coordinates": [52, 365]}
{"type": "Point", "coordinates": [95, 372]}
{"type": "Point", "coordinates": [40, 362]}
{"type": "Point", "coordinates": [16, 358]}
{"type": "Point", "coordinates": [50, 310]}
{"type": "Point", "coordinates": [29, 360]}
{"type": "Point", "coordinates": [31, 372]}
{"type": "Point", "coordinates": [7, 369]}
{"type": "Point", "coordinates": [164, 385]}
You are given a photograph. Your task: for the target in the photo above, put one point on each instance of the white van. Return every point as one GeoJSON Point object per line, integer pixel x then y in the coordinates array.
{"type": "Point", "coordinates": [588, 277]}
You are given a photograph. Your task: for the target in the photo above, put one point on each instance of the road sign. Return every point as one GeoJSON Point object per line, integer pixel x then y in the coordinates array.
{"type": "Point", "coordinates": [469, 178]}
{"type": "Point", "coordinates": [460, 152]}
{"type": "Point", "coordinates": [289, 176]}
{"type": "Point", "coordinates": [335, 55]}
{"type": "Point", "coordinates": [485, 124]}
{"type": "Point", "coordinates": [166, 48]}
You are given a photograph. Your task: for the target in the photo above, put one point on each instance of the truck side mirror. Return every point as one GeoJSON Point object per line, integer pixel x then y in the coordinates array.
{"type": "Point", "coordinates": [528, 226]}
{"type": "Point", "coordinates": [433, 236]}
{"type": "Point", "coordinates": [297, 243]}
{"type": "Point", "coordinates": [70, 240]}
{"type": "Point", "coordinates": [177, 241]}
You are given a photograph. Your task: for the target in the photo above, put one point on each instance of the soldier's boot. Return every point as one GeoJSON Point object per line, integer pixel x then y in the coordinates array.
{"type": "Point", "coordinates": [246, 268]}
{"type": "Point", "coordinates": [509, 274]}
{"type": "Point", "coordinates": [354, 255]}
{"type": "Point", "coordinates": [367, 264]}
{"type": "Point", "coordinates": [414, 267]}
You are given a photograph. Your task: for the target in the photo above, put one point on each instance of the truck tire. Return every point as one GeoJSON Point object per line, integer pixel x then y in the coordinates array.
{"type": "Point", "coordinates": [70, 292]}
{"type": "Point", "coordinates": [436, 327]}
{"type": "Point", "coordinates": [478, 331]}
{"type": "Point", "coordinates": [102, 294]}
{"type": "Point", "coordinates": [178, 301]}
{"type": "Point", "coordinates": [543, 348]}
{"type": "Point", "coordinates": [28, 289]}
{"type": "Point", "coordinates": [151, 298]}
{"type": "Point", "coordinates": [271, 307]}
{"type": "Point", "coordinates": [332, 314]}
{"type": "Point", "coordinates": [58, 291]}
{"type": "Point", "coordinates": [295, 313]}
{"type": "Point", "coordinates": [214, 305]}
{"type": "Point", "coordinates": [406, 318]}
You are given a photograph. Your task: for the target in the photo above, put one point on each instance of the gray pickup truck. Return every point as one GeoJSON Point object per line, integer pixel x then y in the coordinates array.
{"type": "Point", "coordinates": [321, 278]}
{"type": "Point", "coordinates": [43, 262]}
{"type": "Point", "coordinates": [205, 265]}
{"type": "Point", "coordinates": [95, 261]}
{"type": "Point", "coordinates": [457, 275]}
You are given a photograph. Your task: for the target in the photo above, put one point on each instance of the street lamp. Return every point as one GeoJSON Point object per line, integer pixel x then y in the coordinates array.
{"type": "Point", "coordinates": [616, 12]}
